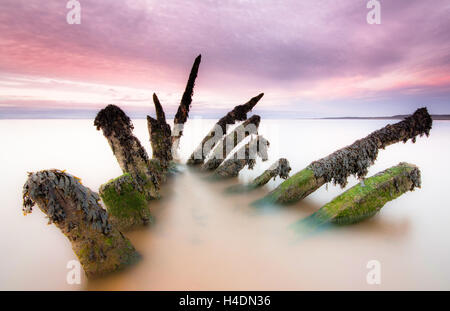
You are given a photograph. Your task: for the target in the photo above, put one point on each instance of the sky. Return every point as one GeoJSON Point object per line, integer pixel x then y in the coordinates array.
{"type": "Point", "coordinates": [311, 58]}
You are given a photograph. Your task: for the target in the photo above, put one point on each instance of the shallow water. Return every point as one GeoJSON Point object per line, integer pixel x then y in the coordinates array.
{"type": "Point", "coordinates": [204, 239]}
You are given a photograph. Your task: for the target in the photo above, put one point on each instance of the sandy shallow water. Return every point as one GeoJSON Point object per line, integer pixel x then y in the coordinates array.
{"type": "Point", "coordinates": [203, 239]}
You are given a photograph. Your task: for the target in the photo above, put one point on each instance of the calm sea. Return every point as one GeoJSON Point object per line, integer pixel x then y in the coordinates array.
{"type": "Point", "coordinates": [203, 239]}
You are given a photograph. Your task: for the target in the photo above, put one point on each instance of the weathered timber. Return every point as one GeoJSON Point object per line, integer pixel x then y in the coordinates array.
{"type": "Point", "coordinates": [127, 207]}
{"type": "Point", "coordinates": [75, 210]}
{"type": "Point", "coordinates": [131, 156]}
{"type": "Point", "coordinates": [160, 135]}
{"type": "Point", "coordinates": [351, 160]}
{"type": "Point", "coordinates": [239, 113]}
{"type": "Point", "coordinates": [279, 168]}
{"type": "Point", "coordinates": [366, 199]}
{"type": "Point", "coordinates": [230, 141]}
{"type": "Point", "coordinates": [183, 109]}
{"type": "Point", "coordinates": [244, 156]}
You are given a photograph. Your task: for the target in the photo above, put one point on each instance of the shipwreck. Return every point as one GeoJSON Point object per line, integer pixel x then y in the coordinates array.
{"type": "Point", "coordinates": [96, 231]}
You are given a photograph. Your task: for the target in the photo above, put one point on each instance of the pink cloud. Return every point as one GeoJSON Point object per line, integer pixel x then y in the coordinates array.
{"type": "Point", "coordinates": [298, 53]}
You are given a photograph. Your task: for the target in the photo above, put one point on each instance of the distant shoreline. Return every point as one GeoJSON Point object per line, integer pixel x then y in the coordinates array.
{"type": "Point", "coordinates": [436, 117]}
{"type": "Point", "coordinates": [442, 117]}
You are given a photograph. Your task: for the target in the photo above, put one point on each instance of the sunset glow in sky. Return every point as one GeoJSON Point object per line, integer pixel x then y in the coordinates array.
{"type": "Point", "coordinates": [310, 58]}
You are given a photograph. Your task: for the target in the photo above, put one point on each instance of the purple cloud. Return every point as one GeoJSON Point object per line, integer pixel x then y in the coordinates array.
{"type": "Point", "coordinates": [300, 53]}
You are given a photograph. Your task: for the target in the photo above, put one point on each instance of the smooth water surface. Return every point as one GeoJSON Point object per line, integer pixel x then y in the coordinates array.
{"type": "Point", "coordinates": [203, 239]}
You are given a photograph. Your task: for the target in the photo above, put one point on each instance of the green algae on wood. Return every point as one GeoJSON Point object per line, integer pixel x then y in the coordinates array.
{"type": "Point", "coordinates": [130, 154]}
{"type": "Point", "coordinates": [366, 199]}
{"type": "Point", "coordinates": [297, 186]}
{"type": "Point", "coordinates": [100, 247]}
{"type": "Point", "coordinates": [279, 168]}
{"type": "Point", "coordinates": [239, 113]}
{"type": "Point", "coordinates": [351, 160]}
{"type": "Point", "coordinates": [127, 207]}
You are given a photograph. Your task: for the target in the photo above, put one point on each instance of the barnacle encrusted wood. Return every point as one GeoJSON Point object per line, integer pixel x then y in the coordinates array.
{"type": "Point", "coordinates": [76, 211]}
{"type": "Point", "coordinates": [230, 141]}
{"type": "Point", "coordinates": [183, 109]}
{"type": "Point", "coordinates": [244, 156]}
{"type": "Point", "coordinates": [356, 158]}
{"type": "Point", "coordinates": [160, 134]}
{"type": "Point", "coordinates": [127, 207]}
{"type": "Point", "coordinates": [279, 168]}
{"type": "Point", "coordinates": [239, 113]}
{"type": "Point", "coordinates": [367, 198]}
{"type": "Point", "coordinates": [351, 160]}
{"type": "Point", "coordinates": [132, 157]}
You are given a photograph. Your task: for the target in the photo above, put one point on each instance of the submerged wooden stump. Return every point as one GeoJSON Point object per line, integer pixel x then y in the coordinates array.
{"type": "Point", "coordinates": [239, 113]}
{"type": "Point", "coordinates": [351, 160]}
{"type": "Point", "coordinates": [75, 210]}
{"type": "Point", "coordinates": [131, 156]}
{"type": "Point", "coordinates": [127, 196]}
{"type": "Point", "coordinates": [367, 198]}
{"type": "Point", "coordinates": [127, 207]}
{"type": "Point", "coordinates": [245, 156]}
{"type": "Point", "coordinates": [279, 168]}
{"type": "Point", "coordinates": [160, 135]}
{"type": "Point", "coordinates": [183, 110]}
{"type": "Point", "coordinates": [230, 141]}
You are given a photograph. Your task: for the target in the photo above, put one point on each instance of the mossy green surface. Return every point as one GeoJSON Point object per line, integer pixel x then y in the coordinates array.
{"type": "Point", "coordinates": [100, 247]}
{"type": "Point", "coordinates": [126, 206]}
{"type": "Point", "coordinates": [363, 201]}
{"type": "Point", "coordinates": [261, 180]}
{"type": "Point", "coordinates": [101, 256]}
{"type": "Point", "coordinates": [292, 189]}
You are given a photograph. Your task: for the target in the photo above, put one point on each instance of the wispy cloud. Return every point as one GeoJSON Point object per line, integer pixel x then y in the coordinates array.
{"type": "Point", "coordinates": [309, 57]}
